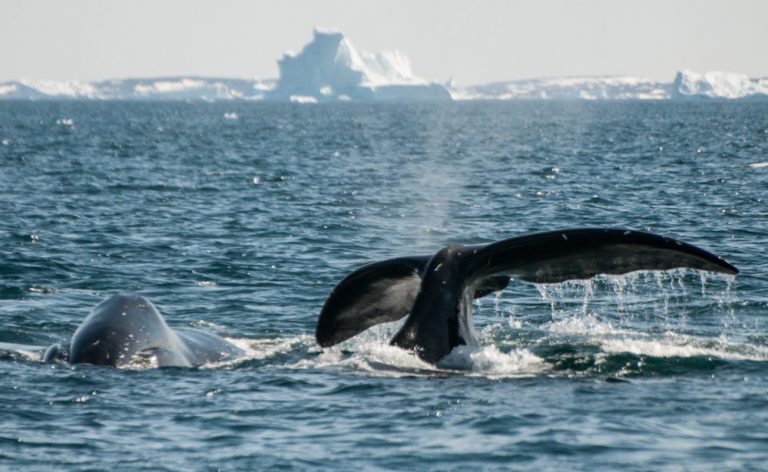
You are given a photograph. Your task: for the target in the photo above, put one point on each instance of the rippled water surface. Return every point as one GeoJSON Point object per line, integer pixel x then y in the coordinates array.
{"type": "Point", "coordinates": [240, 219]}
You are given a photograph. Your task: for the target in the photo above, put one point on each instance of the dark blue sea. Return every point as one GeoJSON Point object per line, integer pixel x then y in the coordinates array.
{"type": "Point", "coordinates": [240, 218]}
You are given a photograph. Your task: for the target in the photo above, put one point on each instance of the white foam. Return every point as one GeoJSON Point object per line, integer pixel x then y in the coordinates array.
{"type": "Point", "coordinates": [266, 348]}
{"type": "Point", "coordinates": [490, 362]}
{"type": "Point", "coordinates": [677, 345]}
{"type": "Point", "coordinates": [260, 349]}
{"type": "Point", "coordinates": [65, 122]}
{"type": "Point", "coordinates": [371, 358]}
{"type": "Point", "coordinates": [370, 353]}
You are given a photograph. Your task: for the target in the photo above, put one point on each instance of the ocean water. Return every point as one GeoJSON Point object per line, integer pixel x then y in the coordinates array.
{"type": "Point", "coordinates": [240, 218]}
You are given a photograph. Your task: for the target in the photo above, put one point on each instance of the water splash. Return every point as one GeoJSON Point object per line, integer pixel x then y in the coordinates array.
{"type": "Point", "coordinates": [492, 363]}
{"type": "Point", "coordinates": [648, 314]}
{"type": "Point", "coordinates": [661, 301]}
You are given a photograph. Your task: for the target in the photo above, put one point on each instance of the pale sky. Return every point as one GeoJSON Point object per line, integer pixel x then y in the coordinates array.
{"type": "Point", "coordinates": [472, 41]}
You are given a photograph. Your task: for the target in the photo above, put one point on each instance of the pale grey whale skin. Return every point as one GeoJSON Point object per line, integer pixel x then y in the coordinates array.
{"type": "Point", "coordinates": [436, 291]}
{"type": "Point", "coordinates": [126, 325]}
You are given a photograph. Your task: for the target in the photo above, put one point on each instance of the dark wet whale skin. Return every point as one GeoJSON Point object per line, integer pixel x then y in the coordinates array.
{"type": "Point", "coordinates": [125, 325]}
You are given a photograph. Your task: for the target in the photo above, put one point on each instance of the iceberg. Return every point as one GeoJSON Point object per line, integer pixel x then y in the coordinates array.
{"type": "Point", "coordinates": [329, 68]}
{"type": "Point", "coordinates": [717, 84]}
{"type": "Point", "coordinates": [567, 88]}
{"type": "Point", "coordinates": [167, 88]}
{"type": "Point", "coordinates": [302, 99]}
{"type": "Point", "coordinates": [18, 91]}
{"type": "Point", "coordinates": [44, 89]}
{"type": "Point", "coordinates": [686, 85]}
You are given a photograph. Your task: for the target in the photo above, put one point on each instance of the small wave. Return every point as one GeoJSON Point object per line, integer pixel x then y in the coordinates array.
{"type": "Point", "coordinates": [371, 358]}
{"type": "Point", "coordinates": [266, 348]}
{"type": "Point", "coordinates": [675, 345]}
{"type": "Point", "coordinates": [261, 349]}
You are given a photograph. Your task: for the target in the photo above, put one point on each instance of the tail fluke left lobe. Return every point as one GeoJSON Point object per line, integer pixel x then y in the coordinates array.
{"type": "Point", "coordinates": [376, 293]}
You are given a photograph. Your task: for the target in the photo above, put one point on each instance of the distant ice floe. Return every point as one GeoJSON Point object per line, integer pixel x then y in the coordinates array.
{"type": "Point", "coordinates": [330, 69]}
{"type": "Point", "coordinates": [7, 89]}
{"type": "Point", "coordinates": [165, 88]}
{"type": "Point", "coordinates": [169, 86]}
{"type": "Point", "coordinates": [567, 88]}
{"type": "Point", "coordinates": [64, 89]}
{"type": "Point", "coordinates": [302, 99]}
{"type": "Point", "coordinates": [686, 85]}
{"type": "Point", "coordinates": [717, 84]}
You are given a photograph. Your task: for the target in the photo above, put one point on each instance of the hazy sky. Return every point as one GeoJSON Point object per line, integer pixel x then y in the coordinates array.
{"type": "Point", "coordinates": [472, 41]}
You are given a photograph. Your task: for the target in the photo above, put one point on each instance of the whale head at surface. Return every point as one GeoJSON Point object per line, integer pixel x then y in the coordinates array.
{"type": "Point", "coordinates": [126, 329]}
{"type": "Point", "coordinates": [116, 329]}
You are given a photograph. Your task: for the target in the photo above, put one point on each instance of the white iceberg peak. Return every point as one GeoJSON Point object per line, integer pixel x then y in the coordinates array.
{"type": "Point", "coordinates": [331, 68]}
{"type": "Point", "coordinates": [380, 68]}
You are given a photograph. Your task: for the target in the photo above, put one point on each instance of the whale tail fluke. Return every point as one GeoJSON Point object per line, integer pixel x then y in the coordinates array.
{"type": "Point", "coordinates": [389, 290]}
